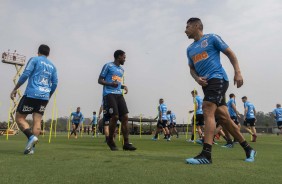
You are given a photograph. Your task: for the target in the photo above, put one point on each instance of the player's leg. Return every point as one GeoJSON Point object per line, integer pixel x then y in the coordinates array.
{"type": "Point", "coordinates": [232, 128]}
{"type": "Point", "coordinates": [36, 123]}
{"type": "Point", "coordinates": [158, 129]}
{"type": "Point", "coordinates": [253, 129]}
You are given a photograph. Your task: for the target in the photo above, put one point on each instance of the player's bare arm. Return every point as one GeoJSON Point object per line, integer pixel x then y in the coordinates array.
{"type": "Point", "coordinates": [200, 80]}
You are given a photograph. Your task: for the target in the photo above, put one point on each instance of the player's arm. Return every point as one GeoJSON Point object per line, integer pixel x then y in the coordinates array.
{"type": "Point", "coordinates": [245, 113]}
{"type": "Point", "coordinates": [235, 109]}
{"type": "Point", "coordinates": [238, 79]}
{"type": "Point", "coordinates": [200, 80]}
{"type": "Point", "coordinates": [124, 87]}
{"type": "Point", "coordinates": [103, 74]}
{"type": "Point", "coordinates": [26, 73]}
{"type": "Point", "coordinates": [100, 111]}
{"type": "Point", "coordinates": [191, 111]}
{"type": "Point", "coordinates": [160, 114]}
{"type": "Point", "coordinates": [54, 82]}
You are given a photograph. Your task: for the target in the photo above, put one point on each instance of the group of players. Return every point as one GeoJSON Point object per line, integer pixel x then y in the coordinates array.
{"type": "Point", "coordinates": [205, 67]}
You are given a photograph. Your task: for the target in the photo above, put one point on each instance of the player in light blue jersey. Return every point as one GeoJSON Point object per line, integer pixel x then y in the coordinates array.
{"type": "Point", "coordinates": [250, 118]}
{"type": "Point", "coordinates": [111, 77]}
{"type": "Point", "coordinates": [94, 123]}
{"type": "Point", "coordinates": [162, 122]}
{"type": "Point", "coordinates": [77, 119]}
{"type": "Point", "coordinates": [205, 67]}
{"type": "Point", "coordinates": [42, 83]}
{"type": "Point", "coordinates": [277, 113]}
{"type": "Point", "coordinates": [172, 124]}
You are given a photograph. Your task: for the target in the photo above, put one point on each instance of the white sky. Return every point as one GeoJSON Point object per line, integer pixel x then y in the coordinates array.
{"type": "Point", "coordinates": [84, 34]}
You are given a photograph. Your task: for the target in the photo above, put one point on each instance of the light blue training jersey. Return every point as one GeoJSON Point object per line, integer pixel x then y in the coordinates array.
{"type": "Point", "coordinates": [94, 120]}
{"type": "Point", "coordinates": [199, 102]}
{"type": "Point", "coordinates": [77, 117]}
{"type": "Point", "coordinates": [163, 110]}
{"type": "Point", "coordinates": [172, 118]}
{"type": "Point", "coordinates": [251, 110]}
{"type": "Point", "coordinates": [42, 78]}
{"type": "Point", "coordinates": [230, 108]}
{"type": "Point", "coordinates": [278, 114]}
{"type": "Point", "coordinates": [111, 72]}
{"type": "Point", "coordinates": [204, 55]}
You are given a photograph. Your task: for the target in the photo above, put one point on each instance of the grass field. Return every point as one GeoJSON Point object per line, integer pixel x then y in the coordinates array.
{"type": "Point", "coordinates": [88, 160]}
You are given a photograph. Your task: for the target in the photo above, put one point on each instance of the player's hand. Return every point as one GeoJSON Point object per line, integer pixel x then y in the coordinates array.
{"type": "Point", "coordinates": [125, 90]}
{"type": "Point", "coordinates": [114, 84]}
{"type": "Point", "coordinates": [238, 79]}
{"type": "Point", "coordinates": [202, 81]}
{"type": "Point", "coordinates": [13, 94]}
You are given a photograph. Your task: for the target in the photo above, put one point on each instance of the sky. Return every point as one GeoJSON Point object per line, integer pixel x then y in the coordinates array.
{"type": "Point", "coordinates": [83, 35]}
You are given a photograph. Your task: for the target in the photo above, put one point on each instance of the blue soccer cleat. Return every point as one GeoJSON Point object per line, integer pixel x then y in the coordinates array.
{"type": "Point", "coordinates": [200, 159]}
{"type": "Point", "coordinates": [252, 156]}
{"type": "Point", "coordinates": [228, 145]}
{"type": "Point", "coordinates": [200, 141]}
{"type": "Point", "coordinates": [154, 139]}
{"type": "Point", "coordinates": [29, 146]}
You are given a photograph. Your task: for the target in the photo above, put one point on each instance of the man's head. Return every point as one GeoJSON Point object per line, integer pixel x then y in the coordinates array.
{"type": "Point", "coordinates": [244, 99]}
{"type": "Point", "coordinates": [193, 27]}
{"type": "Point", "coordinates": [231, 96]}
{"type": "Point", "coordinates": [278, 105]}
{"type": "Point", "coordinates": [194, 93]}
{"type": "Point", "coordinates": [169, 112]}
{"type": "Point", "coordinates": [78, 109]}
{"type": "Point", "coordinates": [161, 101]}
{"type": "Point", "coordinates": [43, 50]}
{"type": "Point", "coordinates": [94, 113]}
{"type": "Point", "coordinates": [120, 56]}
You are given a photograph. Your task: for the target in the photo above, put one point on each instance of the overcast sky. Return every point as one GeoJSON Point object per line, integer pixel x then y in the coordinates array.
{"type": "Point", "coordinates": [84, 34]}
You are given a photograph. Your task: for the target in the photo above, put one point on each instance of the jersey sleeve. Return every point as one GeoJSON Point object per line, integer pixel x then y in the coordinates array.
{"type": "Point", "coordinates": [104, 71]}
{"type": "Point", "coordinates": [219, 43]}
{"type": "Point", "coordinates": [27, 71]}
{"type": "Point", "coordinates": [54, 81]}
{"type": "Point", "coordinates": [190, 61]}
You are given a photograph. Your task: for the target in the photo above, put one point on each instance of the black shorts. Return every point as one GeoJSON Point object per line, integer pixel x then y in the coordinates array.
{"type": "Point", "coordinates": [251, 122]}
{"type": "Point", "coordinates": [172, 125]}
{"type": "Point", "coordinates": [235, 119]}
{"type": "Point", "coordinates": [31, 105]}
{"type": "Point", "coordinates": [114, 105]}
{"type": "Point", "coordinates": [162, 124]}
{"type": "Point", "coordinates": [75, 124]}
{"type": "Point", "coordinates": [94, 126]}
{"type": "Point", "coordinates": [215, 91]}
{"type": "Point", "coordinates": [199, 120]}
{"type": "Point", "coordinates": [279, 124]}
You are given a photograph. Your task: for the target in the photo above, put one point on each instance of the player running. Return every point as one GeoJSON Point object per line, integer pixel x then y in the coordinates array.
{"type": "Point", "coordinates": [115, 107]}
{"type": "Point", "coordinates": [94, 123]}
{"type": "Point", "coordinates": [172, 124]}
{"type": "Point", "coordinates": [250, 118]}
{"type": "Point", "coordinates": [277, 113]}
{"type": "Point", "coordinates": [42, 83]}
{"type": "Point", "coordinates": [77, 119]}
{"type": "Point", "coordinates": [205, 67]}
{"type": "Point", "coordinates": [162, 122]}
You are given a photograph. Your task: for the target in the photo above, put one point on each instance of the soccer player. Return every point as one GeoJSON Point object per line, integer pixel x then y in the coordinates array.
{"type": "Point", "coordinates": [42, 82]}
{"type": "Point", "coordinates": [198, 102]}
{"type": "Point", "coordinates": [114, 103]}
{"type": "Point", "coordinates": [250, 117]}
{"type": "Point", "coordinates": [162, 122]}
{"type": "Point", "coordinates": [104, 121]}
{"type": "Point", "coordinates": [172, 125]}
{"type": "Point", "coordinates": [277, 113]}
{"type": "Point", "coordinates": [94, 123]}
{"type": "Point", "coordinates": [205, 67]}
{"type": "Point", "coordinates": [77, 119]}
{"type": "Point", "coordinates": [234, 114]}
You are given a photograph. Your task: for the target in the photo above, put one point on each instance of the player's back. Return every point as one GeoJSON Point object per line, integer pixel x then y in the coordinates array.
{"type": "Point", "coordinates": [163, 110]}
{"type": "Point", "coordinates": [278, 114]}
{"type": "Point", "coordinates": [251, 110]}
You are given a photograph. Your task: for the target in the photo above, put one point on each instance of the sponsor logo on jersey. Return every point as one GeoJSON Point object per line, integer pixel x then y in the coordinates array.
{"type": "Point", "coordinates": [27, 108]}
{"type": "Point", "coordinates": [199, 57]}
{"type": "Point", "coordinates": [42, 108]}
{"type": "Point", "coordinates": [116, 78]}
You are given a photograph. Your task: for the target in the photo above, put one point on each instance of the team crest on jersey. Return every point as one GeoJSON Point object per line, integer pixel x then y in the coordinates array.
{"type": "Point", "coordinates": [204, 43]}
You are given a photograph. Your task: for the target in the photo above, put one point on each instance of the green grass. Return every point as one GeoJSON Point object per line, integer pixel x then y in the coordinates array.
{"type": "Point", "coordinates": [88, 160]}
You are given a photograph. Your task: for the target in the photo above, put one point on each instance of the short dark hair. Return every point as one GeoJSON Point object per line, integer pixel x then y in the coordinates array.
{"type": "Point", "coordinates": [244, 97]}
{"type": "Point", "coordinates": [118, 53]}
{"type": "Point", "coordinates": [195, 92]}
{"type": "Point", "coordinates": [44, 50]}
{"type": "Point", "coordinates": [231, 95]}
{"type": "Point", "coordinates": [94, 112]}
{"type": "Point", "coordinates": [196, 20]}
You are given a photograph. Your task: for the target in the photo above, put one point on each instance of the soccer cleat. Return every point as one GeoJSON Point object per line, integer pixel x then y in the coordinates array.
{"type": "Point", "coordinates": [75, 137]}
{"type": "Point", "coordinates": [31, 142]}
{"type": "Point", "coordinates": [168, 139]}
{"type": "Point", "coordinates": [228, 145]}
{"type": "Point", "coordinates": [154, 139]}
{"type": "Point", "coordinates": [200, 141]}
{"type": "Point", "coordinates": [112, 146]}
{"type": "Point", "coordinates": [200, 159]}
{"type": "Point", "coordinates": [190, 140]}
{"type": "Point", "coordinates": [129, 147]}
{"type": "Point", "coordinates": [252, 156]}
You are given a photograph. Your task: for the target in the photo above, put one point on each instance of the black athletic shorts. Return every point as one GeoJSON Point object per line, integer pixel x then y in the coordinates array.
{"type": "Point", "coordinates": [162, 124]}
{"type": "Point", "coordinates": [172, 125]}
{"type": "Point", "coordinates": [279, 124]}
{"type": "Point", "coordinates": [114, 104]}
{"type": "Point", "coordinates": [235, 119]}
{"type": "Point", "coordinates": [31, 105]}
{"type": "Point", "coordinates": [76, 125]}
{"type": "Point", "coordinates": [251, 122]}
{"type": "Point", "coordinates": [199, 120]}
{"type": "Point", "coordinates": [215, 91]}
